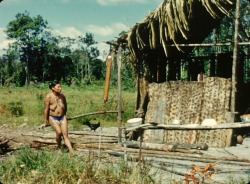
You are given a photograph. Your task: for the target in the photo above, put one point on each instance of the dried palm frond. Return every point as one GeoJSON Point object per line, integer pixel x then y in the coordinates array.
{"type": "Point", "coordinates": [174, 22]}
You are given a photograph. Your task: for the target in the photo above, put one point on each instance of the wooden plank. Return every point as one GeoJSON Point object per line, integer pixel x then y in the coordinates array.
{"type": "Point", "coordinates": [150, 146]}
{"type": "Point", "coordinates": [119, 117]}
{"type": "Point", "coordinates": [190, 126]}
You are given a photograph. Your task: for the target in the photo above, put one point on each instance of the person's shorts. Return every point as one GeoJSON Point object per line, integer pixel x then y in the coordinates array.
{"type": "Point", "coordinates": [58, 119]}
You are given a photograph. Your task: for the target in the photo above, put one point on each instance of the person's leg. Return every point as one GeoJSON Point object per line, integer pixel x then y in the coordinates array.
{"type": "Point", "coordinates": [64, 128]}
{"type": "Point", "coordinates": [56, 126]}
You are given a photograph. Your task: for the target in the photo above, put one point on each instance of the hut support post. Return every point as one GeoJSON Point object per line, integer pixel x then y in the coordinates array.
{"type": "Point", "coordinates": [161, 67]}
{"type": "Point", "coordinates": [235, 55]}
{"type": "Point", "coordinates": [119, 63]}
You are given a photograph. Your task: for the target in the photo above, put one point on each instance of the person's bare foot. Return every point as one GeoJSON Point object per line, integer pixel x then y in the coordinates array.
{"type": "Point", "coordinates": [72, 152]}
{"type": "Point", "coordinates": [59, 150]}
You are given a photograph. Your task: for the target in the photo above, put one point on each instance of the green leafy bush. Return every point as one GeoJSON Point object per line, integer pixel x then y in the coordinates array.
{"type": "Point", "coordinates": [16, 108]}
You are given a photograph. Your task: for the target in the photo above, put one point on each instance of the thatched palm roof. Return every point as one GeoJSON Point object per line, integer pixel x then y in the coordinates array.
{"type": "Point", "coordinates": [176, 22]}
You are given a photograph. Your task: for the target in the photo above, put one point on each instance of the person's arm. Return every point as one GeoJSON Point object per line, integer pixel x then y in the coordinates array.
{"type": "Point", "coordinates": [46, 111]}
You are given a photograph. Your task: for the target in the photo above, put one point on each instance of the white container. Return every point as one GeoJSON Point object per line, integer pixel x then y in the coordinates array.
{"type": "Point", "coordinates": [134, 122]}
{"type": "Point", "coordinates": [176, 122]}
{"type": "Point", "coordinates": [208, 122]}
{"type": "Point", "coordinates": [245, 118]}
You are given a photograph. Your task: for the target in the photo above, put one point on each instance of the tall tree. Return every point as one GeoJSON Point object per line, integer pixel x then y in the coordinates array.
{"type": "Point", "coordinates": [90, 60]}
{"type": "Point", "coordinates": [27, 32]}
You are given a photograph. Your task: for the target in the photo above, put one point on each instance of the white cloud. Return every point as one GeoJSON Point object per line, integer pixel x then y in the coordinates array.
{"type": "Point", "coordinates": [96, 30]}
{"type": "Point", "coordinates": [103, 32]}
{"type": "Point", "coordinates": [4, 42]}
{"type": "Point", "coordinates": [100, 30]}
{"type": "Point", "coordinates": [113, 2]}
{"type": "Point", "coordinates": [107, 33]}
{"type": "Point", "coordinates": [104, 49]}
{"type": "Point", "coordinates": [71, 32]}
{"type": "Point", "coordinates": [119, 27]}
{"type": "Point", "coordinates": [114, 29]}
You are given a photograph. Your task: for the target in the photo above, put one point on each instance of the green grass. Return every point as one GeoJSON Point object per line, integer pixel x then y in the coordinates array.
{"type": "Point", "coordinates": [21, 106]}
{"type": "Point", "coordinates": [30, 166]}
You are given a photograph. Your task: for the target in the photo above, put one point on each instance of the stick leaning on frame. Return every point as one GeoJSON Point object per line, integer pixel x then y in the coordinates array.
{"type": "Point", "coordinates": [92, 113]}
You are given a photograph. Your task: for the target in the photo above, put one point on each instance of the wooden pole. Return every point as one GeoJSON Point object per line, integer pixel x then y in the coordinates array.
{"type": "Point", "coordinates": [235, 55]}
{"type": "Point", "coordinates": [125, 147]}
{"type": "Point", "coordinates": [107, 79]}
{"type": "Point", "coordinates": [92, 113]}
{"type": "Point", "coordinates": [203, 44]}
{"type": "Point", "coordinates": [119, 63]}
{"type": "Point", "coordinates": [140, 146]}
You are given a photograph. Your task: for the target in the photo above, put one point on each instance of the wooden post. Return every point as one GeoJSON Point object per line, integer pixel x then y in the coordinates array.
{"type": "Point", "coordinates": [212, 67]}
{"type": "Point", "coordinates": [125, 147]}
{"type": "Point", "coordinates": [107, 79]}
{"type": "Point", "coordinates": [119, 63]}
{"type": "Point", "coordinates": [235, 55]}
{"type": "Point", "coordinates": [140, 147]}
{"type": "Point", "coordinates": [161, 66]}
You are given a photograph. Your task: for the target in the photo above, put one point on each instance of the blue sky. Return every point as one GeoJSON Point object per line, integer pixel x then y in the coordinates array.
{"type": "Point", "coordinates": [71, 18]}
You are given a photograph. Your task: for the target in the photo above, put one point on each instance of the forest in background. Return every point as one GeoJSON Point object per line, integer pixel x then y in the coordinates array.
{"type": "Point", "coordinates": [37, 56]}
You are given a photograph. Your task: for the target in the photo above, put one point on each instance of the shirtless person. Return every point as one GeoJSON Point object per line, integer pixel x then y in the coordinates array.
{"type": "Point", "coordinates": [55, 114]}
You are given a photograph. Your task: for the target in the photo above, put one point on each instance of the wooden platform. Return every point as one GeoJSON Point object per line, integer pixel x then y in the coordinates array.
{"type": "Point", "coordinates": [221, 135]}
{"type": "Point", "coordinates": [235, 125]}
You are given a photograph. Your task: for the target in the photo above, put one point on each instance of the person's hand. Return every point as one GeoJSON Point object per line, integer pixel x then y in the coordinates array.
{"type": "Point", "coordinates": [43, 126]}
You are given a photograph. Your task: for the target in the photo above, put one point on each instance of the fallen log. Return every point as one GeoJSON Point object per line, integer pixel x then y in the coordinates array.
{"type": "Point", "coordinates": [150, 146]}
{"type": "Point", "coordinates": [95, 137]}
{"type": "Point", "coordinates": [162, 147]}
{"type": "Point", "coordinates": [132, 150]}
{"type": "Point", "coordinates": [113, 147]}
{"type": "Point", "coordinates": [44, 141]}
{"type": "Point", "coordinates": [169, 155]}
{"type": "Point", "coordinates": [92, 113]}
{"type": "Point", "coordinates": [169, 160]}
{"type": "Point", "coordinates": [91, 133]}
{"type": "Point", "coordinates": [39, 135]}
{"type": "Point", "coordinates": [102, 141]}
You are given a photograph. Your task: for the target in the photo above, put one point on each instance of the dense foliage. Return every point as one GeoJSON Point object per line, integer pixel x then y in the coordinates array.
{"type": "Point", "coordinates": [37, 55]}
{"type": "Point", "coordinates": [225, 34]}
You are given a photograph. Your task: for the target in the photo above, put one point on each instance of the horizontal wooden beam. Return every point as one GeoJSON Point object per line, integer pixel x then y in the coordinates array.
{"type": "Point", "coordinates": [207, 44]}
{"type": "Point", "coordinates": [189, 126]}
{"type": "Point", "coordinates": [92, 113]}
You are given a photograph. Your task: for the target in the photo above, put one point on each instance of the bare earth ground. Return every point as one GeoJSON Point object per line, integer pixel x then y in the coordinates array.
{"type": "Point", "coordinates": [233, 162]}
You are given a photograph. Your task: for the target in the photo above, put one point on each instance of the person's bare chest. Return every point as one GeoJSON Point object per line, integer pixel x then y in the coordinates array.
{"type": "Point", "coordinates": [56, 102]}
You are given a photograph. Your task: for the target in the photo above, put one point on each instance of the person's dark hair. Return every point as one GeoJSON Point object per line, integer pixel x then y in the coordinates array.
{"type": "Point", "coordinates": [53, 84]}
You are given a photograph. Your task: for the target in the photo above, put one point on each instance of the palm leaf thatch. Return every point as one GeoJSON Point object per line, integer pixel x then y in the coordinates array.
{"type": "Point", "coordinates": [176, 22]}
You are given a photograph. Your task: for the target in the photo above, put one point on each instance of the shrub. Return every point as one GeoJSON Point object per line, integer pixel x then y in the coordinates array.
{"type": "Point", "coordinates": [16, 108]}
{"type": "Point", "coordinates": [40, 102]}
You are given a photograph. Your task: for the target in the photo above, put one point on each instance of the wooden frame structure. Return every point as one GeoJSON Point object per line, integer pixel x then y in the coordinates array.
{"type": "Point", "coordinates": [139, 54]}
